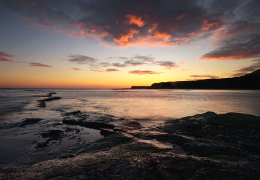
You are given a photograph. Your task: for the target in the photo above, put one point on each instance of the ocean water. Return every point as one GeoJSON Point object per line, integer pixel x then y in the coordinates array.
{"type": "Point", "coordinates": [148, 107]}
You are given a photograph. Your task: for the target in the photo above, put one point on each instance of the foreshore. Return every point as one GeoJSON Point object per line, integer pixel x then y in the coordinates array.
{"type": "Point", "coordinates": [203, 146]}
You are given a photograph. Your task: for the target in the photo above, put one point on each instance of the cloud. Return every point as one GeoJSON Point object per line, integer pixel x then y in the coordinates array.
{"type": "Point", "coordinates": [6, 58]}
{"type": "Point", "coordinates": [204, 76]}
{"type": "Point", "coordinates": [245, 70]}
{"type": "Point", "coordinates": [184, 63]}
{"type": "Point", "coordinates": [139, 72]}
{"type": "Point", "coordinates": [167, 64]}
{"type": "Point", "coordinates": [40, 65]}
{"type": "Point", "coordinates": [108, 70]}
{"type": "Point", "coordinates": [149, 23]}
{"type": "Point", "coordinates": [241, 37]}
{"type": "Point", "coordinates": [242, 47]}
{"type": "Point", "coordinates": [81, 59]}
{"type": "Point", "coordinates": [76, 69]}
{"type": "Point", "coordinates": [136, 60]}
{"type": "Point", "coordinates": [111, 70]}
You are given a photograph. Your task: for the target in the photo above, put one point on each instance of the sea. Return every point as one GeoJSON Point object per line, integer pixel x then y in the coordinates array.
{"type": "Point", "coordinates": [149, 107]}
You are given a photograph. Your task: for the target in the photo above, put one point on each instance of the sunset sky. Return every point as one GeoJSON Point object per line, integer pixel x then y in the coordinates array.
{"type": "Point", "coordinates": [120, 43]}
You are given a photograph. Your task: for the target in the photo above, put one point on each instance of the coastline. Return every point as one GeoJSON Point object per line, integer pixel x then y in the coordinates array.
{"type": "Point", "coordinates": [90, 145]}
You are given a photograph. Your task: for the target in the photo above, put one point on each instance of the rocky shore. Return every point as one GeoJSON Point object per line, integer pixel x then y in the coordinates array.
{"type": "Point", "coordinates": [203, 146]}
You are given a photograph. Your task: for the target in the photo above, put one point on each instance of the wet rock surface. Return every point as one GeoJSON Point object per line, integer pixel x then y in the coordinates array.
{"type": "Point", "coordinates": [204, 146]}
{"type": "Point", "coordinates": [41, 102]}
{"type": "Point", "coordinates": [28, 121]}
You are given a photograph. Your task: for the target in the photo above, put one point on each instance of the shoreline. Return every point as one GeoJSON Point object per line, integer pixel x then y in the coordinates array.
{"type": "Point", "coordinates": [90, 145]}
{"type": "Point", "coordinates": [205, 145]}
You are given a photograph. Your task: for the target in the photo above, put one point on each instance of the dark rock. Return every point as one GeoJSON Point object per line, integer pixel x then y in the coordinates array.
{"type": "Point", "coordinates": [70, 122]}
{"type": "Point", "coordinates": [66, 155]}
{"type": "Point", "coordinates": [28, 121]}
{"type": "Point", "coordinates": [41, 144]}
{"type": "Point", "coordinates": [41, 104]}
{"type": "Point", "coordinates": [96, 125]}
{"type": "Point", "coordinates": [106, 132]}
{"type": "Point", "coordinates": [52, 134]}
{"type": "Point", "coordinates": [51, 99]}
{"type": "Point", "coordinates": [72, 113]}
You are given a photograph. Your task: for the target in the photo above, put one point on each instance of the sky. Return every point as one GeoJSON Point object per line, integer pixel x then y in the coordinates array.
{"type": "Point", "coordinates": [123, 43]}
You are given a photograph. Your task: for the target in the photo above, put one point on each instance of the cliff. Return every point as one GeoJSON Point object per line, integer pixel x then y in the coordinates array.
{"type": "Point", "coordinates": [248, 81]}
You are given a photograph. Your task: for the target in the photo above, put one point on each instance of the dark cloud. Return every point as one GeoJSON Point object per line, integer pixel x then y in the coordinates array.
{"type": "Point", "coordinates": [234, 25]}
{"type": "Point", "coordinates": [76, 69]}
{"type": "Point", "coordinates": [240, 39]}
{"type": "Point", "coordinates": [245, 70]}
{"type": "Point", "coordinates": [124, 23]}
{"type": "Point", "coordinates": [3, 54]}
{"type": "Point", "coordinates": [40, 65]}
{"type": "Point", "coordinates": [204, 76]}
{"type": "Point", "coordinates": [139, 72]}
{"type": "Point", "coordinates": [81, 59]}
{"type": "Point", "coordinates": [167, 64]}
{"type": "Point", "coordinates": [242, 47]}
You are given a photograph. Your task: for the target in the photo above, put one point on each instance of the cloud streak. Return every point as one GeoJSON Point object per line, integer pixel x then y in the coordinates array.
{"type": "Point", "coordinates": [108, 70]}
{"type": "Point", "coordinates": [81, 59]}
{"type": "Point", "coordinates": [139, 72]}
{"type": "Point", "coordinates": [6, 58]}
{"type": "Point", "coordinates": [167, 64]}
{"type": "Point", "coordinates": [75, 69]}
{"type": "Point", "coordinates": [245, 70]}
{"type": "Point", "coordinates": [204, 76]}
{"type": "Point", "coordinates": [40, 65]}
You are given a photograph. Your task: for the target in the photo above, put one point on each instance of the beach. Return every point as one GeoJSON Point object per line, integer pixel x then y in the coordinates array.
{"type": "Point", "coordinates": [91, 134]}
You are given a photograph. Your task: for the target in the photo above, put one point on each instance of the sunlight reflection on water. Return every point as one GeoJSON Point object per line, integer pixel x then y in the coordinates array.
{"type": "Point", "coordinates": [156, 104]}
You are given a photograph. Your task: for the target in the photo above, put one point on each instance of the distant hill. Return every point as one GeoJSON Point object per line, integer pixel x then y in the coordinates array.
{"type": "Point", "coordinates": [248, 81]}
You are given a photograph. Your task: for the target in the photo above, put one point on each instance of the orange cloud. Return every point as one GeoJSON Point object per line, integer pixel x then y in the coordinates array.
{"type": "Point", "coordinates": [135, 20]}
{"type": "Point", "coordinates": [124, 39]}
{"type": "Point", "coordinates": [207, 25]}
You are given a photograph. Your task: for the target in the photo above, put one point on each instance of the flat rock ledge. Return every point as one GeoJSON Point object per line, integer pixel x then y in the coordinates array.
{"type": "Point", "coordinates": [204, 146]}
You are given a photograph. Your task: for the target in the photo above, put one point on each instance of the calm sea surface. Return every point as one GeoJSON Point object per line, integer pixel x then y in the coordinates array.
{"type": "Point", "coordinates": [146, 106]}
{"type": "Point", "coordinates": [18, 144]}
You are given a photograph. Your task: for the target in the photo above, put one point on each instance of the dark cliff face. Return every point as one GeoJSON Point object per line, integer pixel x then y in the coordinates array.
{"type": "Point", "coordinates": [249, 81]}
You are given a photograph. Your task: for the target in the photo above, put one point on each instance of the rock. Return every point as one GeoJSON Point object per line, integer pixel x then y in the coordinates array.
{"type": "Point", "coordinates": [106, 132]}
{"type": "Point", "coordinates": [72, 113]}
{"type": "Point", "coordinates": [28, 121]}
{"type": "Point", "coordinates": [51, 99]}
{"type": "Point", "coordinates": [52, 135]}
{"type": "Point", "coordinates": [70, 122]}
{"type": "Point", "coordinates": [66, 155]}
{"type": "Point", "coordinates": [41, 144]}
{"type": "Point", "coordinates": [41, 104]}
{"type": "Point", "coordinates": [96, 125]}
